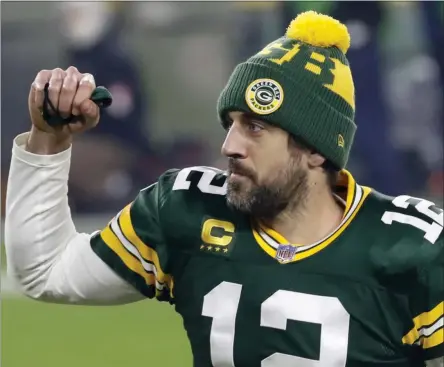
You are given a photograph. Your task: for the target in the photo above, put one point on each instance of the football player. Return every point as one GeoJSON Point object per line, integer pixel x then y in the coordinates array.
{"type": "Point", "coordinates": [283, 260]}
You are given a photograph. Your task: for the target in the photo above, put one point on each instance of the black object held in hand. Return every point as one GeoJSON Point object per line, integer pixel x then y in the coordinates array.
{"type": "Point", "coordinates": [100, 96]}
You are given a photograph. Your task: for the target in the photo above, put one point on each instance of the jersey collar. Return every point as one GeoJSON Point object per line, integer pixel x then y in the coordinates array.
{"type": "Point", "coordinates": [278, 247]}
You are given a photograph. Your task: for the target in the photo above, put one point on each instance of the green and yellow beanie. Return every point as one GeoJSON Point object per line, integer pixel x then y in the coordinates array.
{"type": "Point", "coordinates": [302, 83]}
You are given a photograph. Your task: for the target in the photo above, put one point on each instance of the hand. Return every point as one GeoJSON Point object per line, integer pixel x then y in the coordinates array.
{"type": "Point", "coordinates": [70, 92]}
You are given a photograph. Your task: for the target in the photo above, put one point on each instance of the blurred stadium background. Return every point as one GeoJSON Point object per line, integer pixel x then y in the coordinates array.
{"type": "Point", "coordinates": [165, 64]}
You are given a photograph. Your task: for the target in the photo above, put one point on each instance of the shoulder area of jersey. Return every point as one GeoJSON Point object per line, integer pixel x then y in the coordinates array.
{"type": "Point", "coordinates": [411, 232]}
{"type": "Point", "coordinates": [197, 180]}
{"type": "Point", "coordinates": [409, 210]}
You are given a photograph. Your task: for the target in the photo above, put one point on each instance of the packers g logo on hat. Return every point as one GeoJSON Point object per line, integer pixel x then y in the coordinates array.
{"type": "Point", "coordinates": [264, 96]}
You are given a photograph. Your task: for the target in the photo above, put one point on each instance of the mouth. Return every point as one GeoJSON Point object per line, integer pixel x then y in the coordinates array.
{"type": "Point", "coordinates": [238, 172]}
{"type": "Point", "coordinates": [237, 175]}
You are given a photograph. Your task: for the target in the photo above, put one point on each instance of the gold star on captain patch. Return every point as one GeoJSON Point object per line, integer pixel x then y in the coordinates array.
{"type": "Point", "coordinates": [225, 250]}
{"type": "Point", "coordinates": [217, 249]}
{"type": "Point", "coordinates": [209, 248]}
{"type": "Point", "coordinates": [202, 247]}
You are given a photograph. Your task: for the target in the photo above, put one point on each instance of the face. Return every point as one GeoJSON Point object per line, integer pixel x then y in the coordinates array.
{"type": "Point", "coordinates": [267, 174]}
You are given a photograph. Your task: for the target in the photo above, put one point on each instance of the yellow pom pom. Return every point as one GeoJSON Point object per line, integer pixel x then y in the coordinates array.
{"type": "Point", "coordinates": [319, 30]}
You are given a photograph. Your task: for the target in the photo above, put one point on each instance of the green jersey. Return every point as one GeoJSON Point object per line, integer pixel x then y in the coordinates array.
{"type": "Point", "coordinates": [370, 294]}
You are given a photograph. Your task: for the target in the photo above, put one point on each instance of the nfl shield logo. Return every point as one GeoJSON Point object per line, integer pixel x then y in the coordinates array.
{"type": "Point", "coordinates": [285, 253]}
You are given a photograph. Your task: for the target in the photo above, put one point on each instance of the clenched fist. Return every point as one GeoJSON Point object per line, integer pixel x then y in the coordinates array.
{"type": "Point", "coordinates": [69, 91]}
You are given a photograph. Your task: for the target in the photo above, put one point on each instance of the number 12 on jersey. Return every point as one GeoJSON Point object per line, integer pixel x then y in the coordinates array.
{"type": "Point", "coordinates": [222, 303]}
{"type": "Point", "coordinates": [432, 231]}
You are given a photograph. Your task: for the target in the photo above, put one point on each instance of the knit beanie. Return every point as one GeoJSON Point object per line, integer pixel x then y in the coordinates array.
{"type": "Point", "coordinates": [302, 83]}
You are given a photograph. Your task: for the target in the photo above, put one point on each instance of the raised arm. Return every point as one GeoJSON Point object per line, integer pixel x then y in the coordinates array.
{"type": "Point", "coordinates": [48, 258]}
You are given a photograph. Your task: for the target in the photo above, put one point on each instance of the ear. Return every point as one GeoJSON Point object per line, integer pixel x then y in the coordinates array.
{"type": "Point", "coordinates": [315, 160]}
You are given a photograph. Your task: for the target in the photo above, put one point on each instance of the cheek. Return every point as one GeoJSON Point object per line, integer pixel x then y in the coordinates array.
{"type": "Point", "coordinates": [269, 159]}
{"type": "Point", "coordinates": [268, 170]}
{"type": "Point", "coordinates": [278, 168]}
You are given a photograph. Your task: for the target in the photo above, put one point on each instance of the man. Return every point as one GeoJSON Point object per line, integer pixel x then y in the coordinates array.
{"type": "Point", "coordinates": [284, 260]}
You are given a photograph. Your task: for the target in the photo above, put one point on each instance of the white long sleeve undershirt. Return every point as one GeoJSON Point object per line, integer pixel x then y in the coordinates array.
{"type": "Point", "coordinates": [46, 256]}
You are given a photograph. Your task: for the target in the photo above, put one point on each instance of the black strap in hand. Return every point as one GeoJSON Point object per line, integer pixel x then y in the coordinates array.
{"type": "Point", "coordinates": [100, 96]}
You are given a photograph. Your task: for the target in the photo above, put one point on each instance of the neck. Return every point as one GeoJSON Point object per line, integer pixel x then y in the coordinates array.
{"type": "Point", "coordinates": [305, 224]}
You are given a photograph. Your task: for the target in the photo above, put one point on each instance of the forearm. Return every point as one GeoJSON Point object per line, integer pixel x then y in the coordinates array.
{"type": "Point", "coordinates": [45, 254]}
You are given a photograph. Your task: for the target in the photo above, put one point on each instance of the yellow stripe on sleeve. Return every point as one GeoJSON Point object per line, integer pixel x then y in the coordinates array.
{"type": "Point", "coordinates": [129, 260]}
{"type": "Point", "coordinates": [411, 336]}
{"type": "Point", "coordinates": [428, 330]}
{"type": "Point", "coordinates": [144, 250]}
{"type": "Point", "coordinates": [429, 317]}
{"type": "Point", "coordinates": [433, 340]}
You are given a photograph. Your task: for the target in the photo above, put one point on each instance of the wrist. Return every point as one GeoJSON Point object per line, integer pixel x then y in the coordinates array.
{"type": "Point", "coordinates": [46, 143]}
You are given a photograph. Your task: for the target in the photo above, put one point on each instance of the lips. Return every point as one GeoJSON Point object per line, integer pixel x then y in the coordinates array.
{"type": "Point", "coordinates": [237, 171]}
{"type": "Point", "coordinates": [235, 168]}
{"type": "Point", "coordinates": [235, 175]}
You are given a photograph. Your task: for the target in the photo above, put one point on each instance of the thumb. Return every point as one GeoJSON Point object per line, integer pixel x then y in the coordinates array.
{"type": "Point", "coordinates": [90, 111]}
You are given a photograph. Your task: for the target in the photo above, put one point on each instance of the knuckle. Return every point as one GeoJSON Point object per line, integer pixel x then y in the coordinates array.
{"type": "Point", "coordinates": [43, 73]}
{"type": "Point", "coordinates": [69, 84]}
{"type": "Point", "coordinates": [57, 74]}
{"type": "Point", "coordinates": [38, 87]}
{"type": "Point", "coordinates": [72, 69]}
{"type": "Point", "coordinates": [55, 79]}
{"type": "Point", "coordinates": [88, 80]}
{"type": "Point", "coordinates": [87, 85]}
{"type": "Point", "coordinates": [41, 78]}
{"type": "Point", "coordinates": [68, 89]}
{"type": "Point", "coordinates": [54, 85]}
{"type": "Point", "coordinates": [73, 72]}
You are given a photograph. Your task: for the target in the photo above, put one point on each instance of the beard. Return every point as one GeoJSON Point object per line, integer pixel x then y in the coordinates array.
{"type": "Point", "coordinates": [286, 189]}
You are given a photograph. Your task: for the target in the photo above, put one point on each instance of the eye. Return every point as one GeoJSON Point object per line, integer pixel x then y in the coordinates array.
{"type": "Point", "coordinates": [255, 126]}
{"type": "Point", "coordinates": [228, 123]}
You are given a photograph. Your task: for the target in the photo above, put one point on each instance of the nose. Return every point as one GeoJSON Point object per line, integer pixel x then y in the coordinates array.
{"type": "Point", "coordinates": [234, 145]}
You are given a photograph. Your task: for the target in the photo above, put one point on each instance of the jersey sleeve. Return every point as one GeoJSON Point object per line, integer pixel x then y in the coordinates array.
{"type": "Point", "coordinates": [427, 307]}
{"type": "Point", "coordinates": [133, 243]}
{"type": "Point", "coordinates": [425, 247]}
